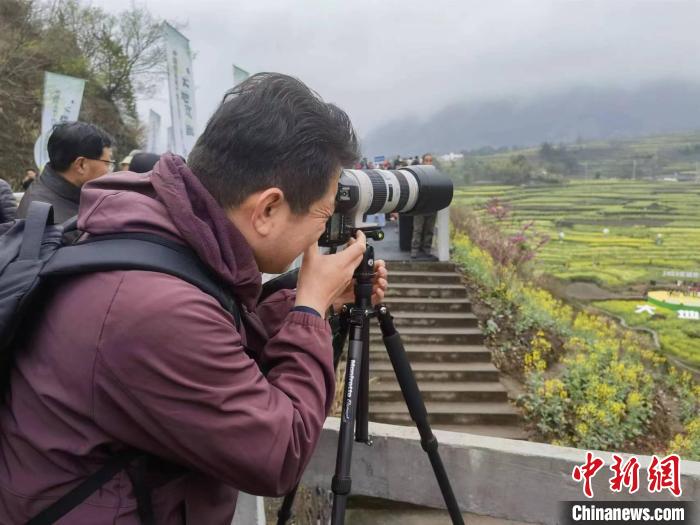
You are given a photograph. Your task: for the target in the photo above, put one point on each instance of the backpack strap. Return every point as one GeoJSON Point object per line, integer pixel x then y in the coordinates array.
{"type": "Point", "coordinates": [39, 215]}
{"type": "Point", "coordinates": [128, 251]}
{"type": "Point", "coordinates": [142, 490]}
{"type": "Point", "coordinates": [63, 506]}
{"type": "Point", "coordinates": [140, 251]}
{"type": "Point", "coordinates": [70, 225]}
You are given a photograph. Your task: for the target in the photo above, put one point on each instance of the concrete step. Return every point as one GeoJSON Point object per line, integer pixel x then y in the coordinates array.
{"type": "Point", "coordinates": [400, 276]}
{"type": "Point", "coordinates": [420, 266]}
{"type": "Point", "coordinates": [434, 319]}
{"type": "Point", "coordinates": [428, 304]}
{"type": "Point", "coordinates": [433, 336]}
{"type": "Point", "coordinates": [454, 372]}
{"type": "Point", "coordinates": [439, 413]}
{"type": "Point", "coordinates": [501, 431]}
{"type": "Point", "coordinates": [387, 390]}
{"type": "Point", "coordinates": [436, 353]}
{"type": "Point", "coordinates": [419, 291]}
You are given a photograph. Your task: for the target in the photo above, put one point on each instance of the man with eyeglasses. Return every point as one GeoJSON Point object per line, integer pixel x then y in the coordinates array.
{"type": "Point", "coordinates": [78, 152]}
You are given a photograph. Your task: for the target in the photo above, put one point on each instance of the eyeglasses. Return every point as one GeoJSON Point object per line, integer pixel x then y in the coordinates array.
{"type": "Point", "coordinates": [111, 163]}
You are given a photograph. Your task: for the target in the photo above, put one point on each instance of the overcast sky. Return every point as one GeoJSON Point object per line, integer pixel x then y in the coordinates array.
{"type": "Point", "coordinates": [381, 58]}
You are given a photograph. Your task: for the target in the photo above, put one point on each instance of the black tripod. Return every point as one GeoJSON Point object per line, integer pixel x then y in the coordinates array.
{"type": "Point", "coordinates": [355, 409]}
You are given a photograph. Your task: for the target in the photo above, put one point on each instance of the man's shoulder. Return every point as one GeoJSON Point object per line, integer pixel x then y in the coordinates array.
{"type": "Point", "coordinates": [158, 317]}
{"type": "Point", "coordinates": [139, 307]}
{"type": "Point", "coordinates": [37, 187]}
{"type": "Point", "coordinates": [63, 207]}
{"type": "Point", "coordinates": [132, 293]}
{"type": "Point", "coordinates": [163, 298]}
{"type": "Point", "coordinates": [37, 191]}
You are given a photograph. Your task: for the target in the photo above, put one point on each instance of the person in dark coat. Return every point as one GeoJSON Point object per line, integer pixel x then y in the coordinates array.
{"type": "Point", "coordinates": [423, 227]}
{"type": "Point", "coordinates": [8, 204]}
{"type": "Point", "coordinates": [78, 152]}
{"type": "Point", "coordinates": [29, 177]}
{"type": "Point", "coordinates": [139, 360]}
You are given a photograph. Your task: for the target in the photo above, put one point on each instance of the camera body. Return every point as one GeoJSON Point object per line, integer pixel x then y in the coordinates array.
{"type": "Point", "coordinates": [413, 190]}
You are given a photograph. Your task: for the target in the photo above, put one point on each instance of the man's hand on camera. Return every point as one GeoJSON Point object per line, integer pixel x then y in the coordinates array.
{"type": "Point", "coordinates": [379, 287]}
{"type": "Point", "coordinates": [323, 279]}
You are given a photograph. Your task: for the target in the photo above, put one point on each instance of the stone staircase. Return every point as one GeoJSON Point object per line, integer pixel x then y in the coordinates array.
{"type": "Point", "coordinates": [459, 384]}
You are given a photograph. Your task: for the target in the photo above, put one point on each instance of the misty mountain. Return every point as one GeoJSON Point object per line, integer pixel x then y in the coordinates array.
{"type": "Point", "coordinates": [579, 113]}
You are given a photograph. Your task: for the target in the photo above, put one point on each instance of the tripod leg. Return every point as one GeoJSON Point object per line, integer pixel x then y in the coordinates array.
{"type": "Point", "coordinates": [416, 407]}
{"type": "Point", "coordinates": [341, 328]}
{"type": "Point", "coordinates": [362, 413]}
{"type": "Point", "coordinates": [285, 511]}
{"type": "Point", "coordinates": [341, 480]}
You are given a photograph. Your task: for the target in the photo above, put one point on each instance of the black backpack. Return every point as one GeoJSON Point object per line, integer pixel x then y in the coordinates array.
{"type": "Point", "coordinates": [33, 256]}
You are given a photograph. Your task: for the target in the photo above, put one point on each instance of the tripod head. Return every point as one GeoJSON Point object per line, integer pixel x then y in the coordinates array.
{"type": "Point", "coordinates": [364, 277]}
{"type": "Point", "coordinates": [355, 314]}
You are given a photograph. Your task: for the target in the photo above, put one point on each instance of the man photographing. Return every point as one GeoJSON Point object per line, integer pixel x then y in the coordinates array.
{"type": "Point", "coordinates": [146, 361]}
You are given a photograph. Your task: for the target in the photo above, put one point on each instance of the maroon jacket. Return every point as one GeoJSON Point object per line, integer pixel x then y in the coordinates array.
{"type": "Point", "coordinates": [141, 359]}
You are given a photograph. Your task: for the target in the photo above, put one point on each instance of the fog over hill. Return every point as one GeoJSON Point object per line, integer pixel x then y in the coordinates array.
{"type": "Point", "coordinates": [582, 112]}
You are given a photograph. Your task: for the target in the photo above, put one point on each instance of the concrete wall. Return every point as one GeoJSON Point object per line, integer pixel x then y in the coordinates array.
{"type": "Point", "coordinates": [502, 478]}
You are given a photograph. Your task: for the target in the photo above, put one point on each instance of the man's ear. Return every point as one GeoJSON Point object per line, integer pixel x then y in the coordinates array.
{"type": "Point", "coordinates": [269, 210]}
{"type": "Point", "coordinates": [78, 166]}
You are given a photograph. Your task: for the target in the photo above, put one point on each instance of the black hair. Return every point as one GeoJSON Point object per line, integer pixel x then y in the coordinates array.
{"type": "Point", "coordinates": [273, 131]}
{"type": "Point", "coordinates": [70, 140]}
{"type": "Point", "coordinates": [143, 162]}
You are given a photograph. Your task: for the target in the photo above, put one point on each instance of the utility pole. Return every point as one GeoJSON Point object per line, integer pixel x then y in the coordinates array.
{"type": "Point", "coordinates": [585, 165]}
{"type": "Point", "coordinates": [634, 169]}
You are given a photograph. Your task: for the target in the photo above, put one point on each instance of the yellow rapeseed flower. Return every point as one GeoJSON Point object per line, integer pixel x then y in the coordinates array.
{"type": "Point", "coordinates": [634, 399]}
{"type": "Point", "coordinates": [694, 426]}
{"type": "Point", "coordinates": [554, 387]}
{"type": "Point", "coordinates": [617, 408]}
{"type": "Point", "coordinates": [604, 392]}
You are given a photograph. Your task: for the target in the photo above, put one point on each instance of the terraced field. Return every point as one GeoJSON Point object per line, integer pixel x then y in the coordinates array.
{"type": "Point", "coordinates": [614, 233]}
{"type": "Point", "coordinates": [678, 337]}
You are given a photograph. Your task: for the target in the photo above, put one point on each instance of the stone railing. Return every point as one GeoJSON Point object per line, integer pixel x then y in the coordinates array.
{"type": "Point", "coordinates": [501, 478]}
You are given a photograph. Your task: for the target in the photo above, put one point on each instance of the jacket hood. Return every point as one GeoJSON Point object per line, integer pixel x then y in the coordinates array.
{"type": "Point", "coordinates": [171, 201]}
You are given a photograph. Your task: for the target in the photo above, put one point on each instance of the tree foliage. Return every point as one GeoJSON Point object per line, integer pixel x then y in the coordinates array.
{"type": "Point", "coordinates": [515, 169]}
{"type": "Point", "coordinates": [119, 56]}
{"type": "Point", "coordinates": [558, 159]}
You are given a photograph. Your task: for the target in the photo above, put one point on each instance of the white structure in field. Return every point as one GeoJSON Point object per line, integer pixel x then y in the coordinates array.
{"type": "Point", "coordinates": [451, 157]}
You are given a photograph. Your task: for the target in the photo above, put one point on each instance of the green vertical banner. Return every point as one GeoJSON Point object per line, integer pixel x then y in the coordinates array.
{"type": "Point", "coordinates": [153, 144]}
{"type": "Point", "coordinates": [183, 115]}
{"type": "Point", "coordinates": [239, 75]}
{"type": "Point", "coordinates": [63, 96]}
